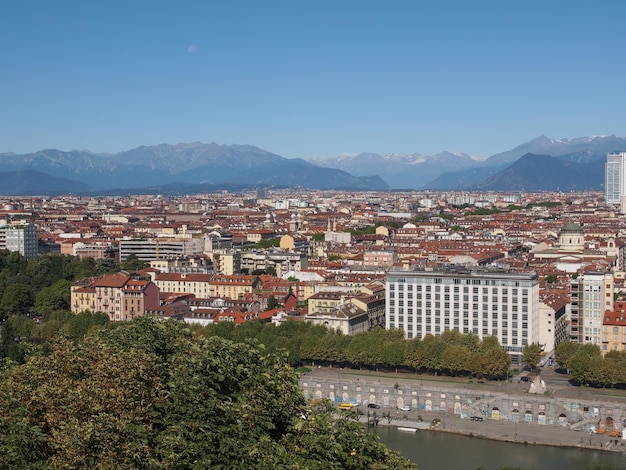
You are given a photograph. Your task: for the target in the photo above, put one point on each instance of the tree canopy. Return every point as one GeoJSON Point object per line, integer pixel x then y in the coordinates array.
{"type": "Point", "coordinates": [150, 394]}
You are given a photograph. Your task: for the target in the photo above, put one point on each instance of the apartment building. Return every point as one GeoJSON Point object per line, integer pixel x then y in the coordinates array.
{"type": "Point", "coordinates": [325, 302]}
{"type": "Point", "coordinates": [281, 260]}
{"type": "Point", "coordinates": [295, 242]}
{"type": "Point", "coordinates": [19, 237]}
{"type": "Point", "coordinates": [384, 259]}
{"type": "Point", "coordinates": [157, 248]}
{"type": "Point", "coordinates": [185, 283]}
{"type": "Point", "coordinates": [83, 296]}
{"type": "Point", "coordinates": [485, 302]}
{"type": "Point", "coordinates": [347, 318]}
{"type": "Point", "coordinates": [227, 262]}
{"type": "Point", "coordinates": [121, 296]}
{"type": "Point", "coordinates": [591, 296]}
{"type": "Point", "coordinates": [234, 287]}
{"type": "Point", "coordinates": [96, 250]}
{"type": "Point", "coordinates": [614, 329]}
{"type": "Point", "coordinates": [615, 177]}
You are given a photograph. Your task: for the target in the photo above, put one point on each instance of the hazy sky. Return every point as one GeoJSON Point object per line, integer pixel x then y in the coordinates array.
{"type": "Point", "coordinates": [310, 78]}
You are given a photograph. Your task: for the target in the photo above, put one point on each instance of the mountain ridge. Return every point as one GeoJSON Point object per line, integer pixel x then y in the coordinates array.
{"type": "Point", "coordinates": [212, 165]}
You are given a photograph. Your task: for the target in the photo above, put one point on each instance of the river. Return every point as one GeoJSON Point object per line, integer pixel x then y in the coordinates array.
{"type": "Point", "coordinates": [432, 450]}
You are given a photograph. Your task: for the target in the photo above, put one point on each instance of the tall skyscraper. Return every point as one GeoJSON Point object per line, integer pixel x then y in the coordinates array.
{"type": "Point", "coordinates": [615, 177]}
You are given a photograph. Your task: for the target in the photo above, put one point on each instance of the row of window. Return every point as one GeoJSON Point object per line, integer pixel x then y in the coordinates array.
{"type": "Point", "coordinates": [456, 281]}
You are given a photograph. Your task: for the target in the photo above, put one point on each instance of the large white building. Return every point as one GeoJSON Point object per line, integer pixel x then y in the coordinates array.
{"type": "Point", "coordinates": [160, 248]}
{"type": "Point", "coordinates": [485, 302]}
{"type": "Point", "coordinates": [615, 177]}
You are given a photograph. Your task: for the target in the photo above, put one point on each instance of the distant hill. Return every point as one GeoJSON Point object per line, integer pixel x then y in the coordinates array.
{"type": "Point", "coordinates": [29, 182]}
{"type": "Point", "coordinates": [183, 164]}
{"type": "Point", "coordinates": [545, 173]}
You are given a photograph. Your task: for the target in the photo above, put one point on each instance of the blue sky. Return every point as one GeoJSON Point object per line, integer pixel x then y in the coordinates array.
{"type": "Point", "coordinates": [310, 79]}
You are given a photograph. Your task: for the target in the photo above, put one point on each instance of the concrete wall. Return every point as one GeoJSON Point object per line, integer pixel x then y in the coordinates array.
{"type": "Point", "coordinates": [530, 408]}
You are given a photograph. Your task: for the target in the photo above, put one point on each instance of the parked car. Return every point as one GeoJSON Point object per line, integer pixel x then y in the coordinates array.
{"type": "Point", "coordinates": [476, 418]}
{"type": "Point", "coordinates": [525, 378]}
{"type": "Point", "coordinates": [373, 405]}
{"type": "Point", "coordinates": [404, 408]}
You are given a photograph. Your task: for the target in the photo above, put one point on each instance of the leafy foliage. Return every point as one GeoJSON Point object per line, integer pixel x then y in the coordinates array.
{"type": "Point", "coordinates": [531, 355]}
{"type": "Point", "coordinates": [133, 263]}
{"type": "Point", "coordinates": [150, 394]}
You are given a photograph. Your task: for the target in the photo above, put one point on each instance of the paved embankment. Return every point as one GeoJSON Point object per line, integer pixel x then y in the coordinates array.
{"type": "Point", "coordinates": [503, 429]}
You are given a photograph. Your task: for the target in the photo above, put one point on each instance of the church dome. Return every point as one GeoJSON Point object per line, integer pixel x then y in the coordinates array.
{"type": "Point", "coordinates": [572, 227]}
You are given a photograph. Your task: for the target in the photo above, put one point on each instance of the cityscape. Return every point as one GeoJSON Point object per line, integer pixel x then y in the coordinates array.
{"type": "Point", "coordinates": [327, 235]}
{"type": "Point", "coordinates": [524, 268]}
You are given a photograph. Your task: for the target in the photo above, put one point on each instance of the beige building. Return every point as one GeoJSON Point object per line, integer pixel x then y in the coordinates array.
{"type": "Point", "coordinates": [325, 302]}
{"type": "Point", "coordinates": [614, 329]}
{"type": "Point", "coordinates": [347, 318]}
{"type": "Point", "coordinates": [121, 296]}
{"type": "Point", "coordinates": [227, 262]}
{"type": "Point", "coordinates": [234, 286]}
{"type": "Point", "coordinates": [196, 284]}
{"type": "Point", "coordinates": [83, 296]}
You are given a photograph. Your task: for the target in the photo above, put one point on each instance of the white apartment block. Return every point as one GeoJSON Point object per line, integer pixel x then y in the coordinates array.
{"type": "Point", "coordinates": [160, 248]}
{"type": "Point", "coordinates": [485, 302]}
{"type": "Point", "coordinates": [19, 237]}
{"type": "Point", "coordinates": [615, 177]}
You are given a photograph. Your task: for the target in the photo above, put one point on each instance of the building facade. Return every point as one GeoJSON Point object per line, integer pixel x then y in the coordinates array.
{"type": "Point", "coordinates": [614, 329]}
{"type": "Point", "coordinates": [21, 238]}
{"type": "Point", "coordinates": [591, 296]}
{"type": "Point", "coordinates": [121, 296]}
{"type": "Point", "coordinates": [158, 248]}
{"type": "Point", "coordinates": [615, 174]}
{"type": "Point", "coordinates": [485, 302]}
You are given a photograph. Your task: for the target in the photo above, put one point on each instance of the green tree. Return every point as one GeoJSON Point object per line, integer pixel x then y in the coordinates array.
{"type": "Point", "coordinates": [133, 263]}
{"type": "Point", "coordinates": [77, 326]}
{"type": "Point", "coordinates": [551, 278]}
{"type": "Point", "coordinates": [580, 364]}
{"type": "Point", "coordinates": [531, 355]}
{"type": "Point", "coordinates": [82, 268]}
{"type": "Point", "coordinates": [17, 299]}
{"type": "Point", "coordinates": [564, 352]}
{"type": "Point", "coordinates": [494, 362]}
{"type": "Point", "coordinates": [106, 266]}
{"type": "Point", "coordinates": [55, 297]}
{"type": "Point", "coordinates": [435, 347]}
{"type": "Point", "coordinates": [148, 394]}
{"type": "Point", "coordinates": [490, 342]}
{"type": "Point", "coordinates": [269, 243]}
{"type": "Point", "coordinates": [272, 302]}
{"type": "Point", "coordinates": [457, 360]}
{"type": "Point", "coordinates": [415, 355]}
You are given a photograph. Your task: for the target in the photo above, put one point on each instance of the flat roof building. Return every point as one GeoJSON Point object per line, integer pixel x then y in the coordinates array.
{"type": "Point", "coordinates": [482, 301]}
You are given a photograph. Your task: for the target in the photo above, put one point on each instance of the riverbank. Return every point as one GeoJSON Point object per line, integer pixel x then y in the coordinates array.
{"type": "Point", "coordinates": [561, 417]}
{"type": "Point", "coordinates": [507, 431]}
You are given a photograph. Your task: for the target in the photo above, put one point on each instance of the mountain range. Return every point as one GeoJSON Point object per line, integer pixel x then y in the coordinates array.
{"type": "Point", "coordinates": [541, 164]}
{"type": "Point", "coordinates": [584, 157]}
